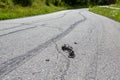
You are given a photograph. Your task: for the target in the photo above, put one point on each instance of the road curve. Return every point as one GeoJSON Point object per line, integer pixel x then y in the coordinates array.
{"type": "Point", "coordinates": [66, 45]}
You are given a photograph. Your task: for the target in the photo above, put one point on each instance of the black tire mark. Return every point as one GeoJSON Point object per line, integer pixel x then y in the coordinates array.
{"type": "Point", "coordinates": [33, 22]}
{"type": "Point", "coordinates": [52, 18]}
{"type": "Point", "coordinates": [1, 35]}
{"type": "Point", "coordinates": [14, 63]}
{"type": "Point", "coordinates": [23, 24]}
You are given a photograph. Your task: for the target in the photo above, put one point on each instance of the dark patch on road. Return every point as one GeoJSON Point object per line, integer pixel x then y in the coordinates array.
{"type": "Point", "coordinates": [47, 60]}
{"type": "Point", "coordinates": [69, 49]}
{"type": "Point", "coordinates": [75, 42]}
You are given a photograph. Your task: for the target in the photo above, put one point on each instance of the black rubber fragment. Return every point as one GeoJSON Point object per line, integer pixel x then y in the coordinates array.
{"type": "Point", "coordinates": [69, 49]}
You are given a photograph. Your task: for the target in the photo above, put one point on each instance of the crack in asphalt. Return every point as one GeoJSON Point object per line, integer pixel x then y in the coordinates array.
{"type": "Point", "coordinates": [68, 62]}
{"type": "Point", "coordinates": [14, 63]}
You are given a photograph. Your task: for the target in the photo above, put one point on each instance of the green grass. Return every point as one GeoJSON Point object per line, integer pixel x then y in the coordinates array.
{"type": "Point", "coordinates": [115, 5]}
{"type": "Point", "coordinates": [10, 11]}
{"type": "Point", "coordinates": [108, 12]}
{"type": "Point", "coordinates": [111, 13]}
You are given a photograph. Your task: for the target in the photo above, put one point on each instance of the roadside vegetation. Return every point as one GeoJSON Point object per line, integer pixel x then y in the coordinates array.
{"type": "Point", "coordinates": [108, 11]}
{"type": "Point", "coordinates": [10, 9]}
{"type": "Point", "coordinates": [117, 4]}
{"type": "Point", "coordinates": [20, 8]}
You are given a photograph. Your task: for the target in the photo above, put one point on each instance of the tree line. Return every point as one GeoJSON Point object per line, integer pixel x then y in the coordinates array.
{"type": "Point", "coordinates": [64, 2]}
{"type": "Point", "coordinates": [82, 2]}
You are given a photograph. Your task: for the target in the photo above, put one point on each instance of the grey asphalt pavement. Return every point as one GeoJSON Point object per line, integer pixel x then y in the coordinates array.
{"type": "Point", "coordinates": [65, 45]}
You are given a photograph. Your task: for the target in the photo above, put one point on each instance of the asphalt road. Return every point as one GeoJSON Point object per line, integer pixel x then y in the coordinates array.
{"type": "Point", "coordinates": [66, 45]}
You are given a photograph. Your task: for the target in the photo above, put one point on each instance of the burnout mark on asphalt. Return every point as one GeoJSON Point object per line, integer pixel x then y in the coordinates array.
{"type": "Point", "coordinates": [69, 49]}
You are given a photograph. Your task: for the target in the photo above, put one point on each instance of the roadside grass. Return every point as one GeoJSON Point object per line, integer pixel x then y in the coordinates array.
{"type": "Point", "coordinates": [115, 5]}
{"type": "Point", "coordinates": [11, 11]}
{"type": "Point", "coordinates": [108, 12]}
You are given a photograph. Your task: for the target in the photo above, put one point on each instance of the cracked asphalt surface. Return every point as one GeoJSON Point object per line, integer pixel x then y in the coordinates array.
{"type": "Point", "coordinates": [32, 48]}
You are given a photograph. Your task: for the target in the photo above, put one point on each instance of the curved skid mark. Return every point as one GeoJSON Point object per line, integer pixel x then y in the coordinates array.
{"type": "Point", "coordinates": [1, 35]}
{"type": "Point", "coordinates": [12, 64]}
{"type": "Point", "coordinates": [52, 18]}
{"type": "Point", "coordinates": [33, 22]}
{"type": "Point", "coordinates": [22, 24]}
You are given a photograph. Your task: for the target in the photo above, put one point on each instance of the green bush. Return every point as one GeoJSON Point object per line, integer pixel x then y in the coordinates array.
{"type": "Point", "coordinates": [23, 2]}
